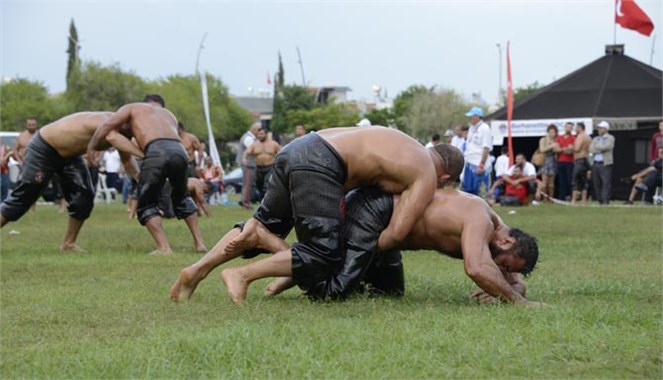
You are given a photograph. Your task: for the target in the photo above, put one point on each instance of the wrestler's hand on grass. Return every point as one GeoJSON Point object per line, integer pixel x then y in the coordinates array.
{"type": "Point", "coordinates": [483, 297]}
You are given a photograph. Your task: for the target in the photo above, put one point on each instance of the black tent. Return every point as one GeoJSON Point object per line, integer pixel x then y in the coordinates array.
{"type": "Point", "coordinates": [617, 88]}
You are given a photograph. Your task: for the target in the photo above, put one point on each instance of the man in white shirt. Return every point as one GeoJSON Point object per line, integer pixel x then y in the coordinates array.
{"type": "Point", "coordinates": [528, 174]}
{"type": "Point", "coordinates": [458, 139]}
{"type": "Point", "coordinates": [433, 141]}
{"type": "Point", "coordinates": [112, 163]}
{"type": "Point", "coordinates": [502, 163]}
{"type": "Point", "coordinates": [478, 147]}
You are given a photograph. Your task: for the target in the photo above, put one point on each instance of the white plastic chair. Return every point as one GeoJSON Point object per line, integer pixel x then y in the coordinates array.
{"type": "Point", "coordinates": [103, 192]}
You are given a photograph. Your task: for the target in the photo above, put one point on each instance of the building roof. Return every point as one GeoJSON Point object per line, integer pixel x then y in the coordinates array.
{"type": "Point", "coordinates": [255, 104]}
{"type": "Point", "coordinates": [613, 86]}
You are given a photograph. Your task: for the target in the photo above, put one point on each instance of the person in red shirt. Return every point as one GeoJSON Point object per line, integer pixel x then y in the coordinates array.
{"type": "Point", "coordinates": [515, 188]}
{"type": "Point", "coordinates": [564, 152]}
{"type": "Point", "coordinates": [656, 143]}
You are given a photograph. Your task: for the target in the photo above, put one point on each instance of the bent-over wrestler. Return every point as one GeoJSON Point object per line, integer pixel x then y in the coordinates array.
{"type": "Point", "coordinates": [155, 131]}
{"type": "Point", "coordinates": [57, 149]}
{"type": "Point", "coordinates": [311, 176]}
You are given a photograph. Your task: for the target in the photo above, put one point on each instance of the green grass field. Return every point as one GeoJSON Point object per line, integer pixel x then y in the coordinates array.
{"type": "Point", "coordinates": [106, 314]}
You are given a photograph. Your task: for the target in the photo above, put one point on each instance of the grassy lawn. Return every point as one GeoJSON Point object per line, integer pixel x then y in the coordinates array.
{"type": "Point", "coordinates": [106, 314]}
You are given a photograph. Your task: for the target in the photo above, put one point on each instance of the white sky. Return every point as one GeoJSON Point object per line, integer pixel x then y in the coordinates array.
{"type": "Point", "coordinates": [356, 44]}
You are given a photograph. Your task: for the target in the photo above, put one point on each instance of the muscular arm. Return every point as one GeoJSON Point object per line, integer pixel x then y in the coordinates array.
{"type": "Point", "coordinates": [411, 206]}
{"type": "Point", "coordinates": [479, 265]}
{"type": "Point", "coordinates": [130, 165]}
{"type": "Point", "coordinates": [123, 144]}
{"type": "Point", "coordinates": [115, 122]}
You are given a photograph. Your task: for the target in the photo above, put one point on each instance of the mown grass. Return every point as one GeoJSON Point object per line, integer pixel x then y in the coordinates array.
{"type": "Point", "coordinates": [106, 314]}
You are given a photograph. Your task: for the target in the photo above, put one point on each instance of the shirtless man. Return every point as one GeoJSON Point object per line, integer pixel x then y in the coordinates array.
{"type": "Point", "coordinates": [192, 275]}
{"type": "Point", "coordinates": [580, 163]}
{"type": "Point", "coordinates": [155, 131]}
{"type": "Point", "coordinates": [197, 188]}
{"type": "Point", "coordinates": [263, 150]}
{"type": "Point", "coordinates": [191, 145]}
{"type": "Point", "coordinates": [311, 176]}
{"type": "Point", "coordinates": [460, 225]}
{"type": "Point", "coordinates": [21, 145]}
{"type": "Point", "coordinates": [58, 148]}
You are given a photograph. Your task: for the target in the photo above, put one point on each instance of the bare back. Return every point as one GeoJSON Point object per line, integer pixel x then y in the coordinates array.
{"type": "Point", "coordinates": [443, 222]}
{"type": "Point", "coordinates": [379, 156]}
{"type": "Point", "coordinates": [149, 123]}
{"type": "Point", "coordinates": [191, 144]}
{"type": "Point", "coordinates": [71, 134]}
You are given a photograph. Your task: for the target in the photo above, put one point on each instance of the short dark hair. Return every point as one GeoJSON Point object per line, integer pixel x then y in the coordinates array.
{"type": "Point", "coordinates": [581, 125]}
{"type": "Point", "coordinates": [452, 159]}
{"type": "Point", "coordinates": [551, 126]}
{"type": "Point", "coordinates": [525, 247]}
{"type": "Point", "coordinates": [154, 98]}
{"type": "Point", "coordinates": [180, 126]}
{"type": "Point", "coordinates": [436, 137]}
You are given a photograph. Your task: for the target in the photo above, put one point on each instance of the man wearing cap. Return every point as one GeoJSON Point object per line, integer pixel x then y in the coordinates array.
{"type": "Point", "coordinates": [448, 136]}
{"type": "Point", "coordinates": [479, 145]}
{"type": "Point", "coordinates": [602, 147]}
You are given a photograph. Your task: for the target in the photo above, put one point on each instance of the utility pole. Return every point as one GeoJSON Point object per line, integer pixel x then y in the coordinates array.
{"type": "Point", "coordinates": [200, 49]}
{"type": "Point", "coordinates": [301, 66]}
{"type": "Point", "coordinates": [499, 57]}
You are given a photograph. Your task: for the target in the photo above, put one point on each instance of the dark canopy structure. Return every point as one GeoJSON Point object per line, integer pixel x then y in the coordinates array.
{"type": "Point", "coordinates": [613, 86]}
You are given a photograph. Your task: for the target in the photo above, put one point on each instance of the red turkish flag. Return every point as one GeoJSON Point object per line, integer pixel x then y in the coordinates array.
{"type": "Point", "coordinates": [629, 15]}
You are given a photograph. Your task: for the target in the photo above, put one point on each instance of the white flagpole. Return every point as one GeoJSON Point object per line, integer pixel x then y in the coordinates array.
{"type": "Point", "coordinates": [213, 151]}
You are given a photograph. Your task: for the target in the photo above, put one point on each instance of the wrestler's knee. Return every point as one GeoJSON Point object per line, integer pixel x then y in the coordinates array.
{"type": "Point", "coordinates": [185, 208]}
{"type": "Point", "coordinates": [80, 205]}
{"type": "Point", "coordinates": [386, 275]}
{"type": "Point", "coordinates": [146, 213]}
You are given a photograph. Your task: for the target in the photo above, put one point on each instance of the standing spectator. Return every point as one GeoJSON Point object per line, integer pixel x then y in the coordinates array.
{"type": "Point", "coordinates": [112, 163]}
{"type": "Point", "coordinates": [22, 142]}
{"type": "Point", "coordinates": [448, 136]}
{"type": "Point", "coordinates": [433, 141]}
{"type": "Point", "coordinates": [5, 153]}
{"type": "Point", "coordinates": [602, 147]}
{"type": "Point", "coordinates": [580, 164]}
{"type": "Point", "coordinates": [479, 144]}
{"type": "Point", "coordinates": [263, 150]}
{"type": "Point", "coordinates": [459, 139]}
{"type": "Point", "coordinates": [547, 146]}
{"type": "Point", "coordinates": [564, 150]}
{"type": "Point", "coordinates": [200, 157]}
{"type": "Point", "coordinates": [299, 131]}
{"type": "Point", "coordinates": [248, 169]}
{"type": "Point", "coordinates": [502, 163]}
{"type": "Point", "coordinates": [656, 142]}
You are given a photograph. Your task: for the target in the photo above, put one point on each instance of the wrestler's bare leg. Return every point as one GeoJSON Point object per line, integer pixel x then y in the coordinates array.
{"type": "Point", "coordinates": [237, 279]}
{"type": "Point", "coordinates": [69, 243]}
{"type": "Point", "coordinates": [192, 223]}
{"type": "Point", "coordinates": [279, 285]}
{"type": "Point", "coordinates": [190, 276]}
{"type": "Point", "coordinates": [3, 221]}
{"type": "Point", "coordinates": [156, 230]}
{"type": "Point", "coordinates": [247, 239]}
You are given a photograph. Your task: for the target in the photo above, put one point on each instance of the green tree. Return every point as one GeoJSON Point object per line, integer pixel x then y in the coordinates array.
{"type": "Point", "coordinates": [321, 117]}
{"type": "Point", "coordinates": [104, 88]}
{"type": "Point", "coordinates": [23, 98]}
{"type": "Point", "coordinates": [183, 97]}
{"type": "Point", "coordinates": [278, 123]}
{"type": "Point", "coordinates": [383, 117]}
{"type": "Point", "coordinates": [521, 92]}
{"type": "Point", "coordinates": [72, 52]}
{"type": "Point", "coordinates": [434, 112]}
{"type": "Point", "coordinates": [403, 102]}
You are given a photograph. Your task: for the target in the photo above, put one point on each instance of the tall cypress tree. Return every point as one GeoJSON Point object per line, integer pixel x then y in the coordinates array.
{"type": "Point", "coordinates": [277, 112]}
{"type": "Point", "coordinates": [72, 53]}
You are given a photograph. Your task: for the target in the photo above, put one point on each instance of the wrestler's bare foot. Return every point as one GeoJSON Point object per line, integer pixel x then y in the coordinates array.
{"type": "Point", "coordinates": [71, 248]}
{"type": "Point", "coordinates": [200, 248]}
{"type": "Point", "coordinates": [278, 286]}
{"type": "Point", "coordinates": [159, 252]}
{"type": "Point", "coordinates": [247, 239]}
{"type": "Point", "coordinates": [185, 285]}
{"type": "Point", "coordinates": [236, 284]}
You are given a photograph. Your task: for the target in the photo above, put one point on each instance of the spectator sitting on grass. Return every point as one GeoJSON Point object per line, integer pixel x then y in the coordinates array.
{"type": "Point", "coordinates": [510, 190]}
{"type": "Point", "coordinates": [647, 180]}
{"type": "Point", "coordinates": [528, 176]}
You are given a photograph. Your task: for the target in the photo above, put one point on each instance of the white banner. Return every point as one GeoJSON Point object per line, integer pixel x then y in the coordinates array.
{"type": "Point", "coordinates": [213, 152]}
{"type": "Point", "coordinates": [533, 128]}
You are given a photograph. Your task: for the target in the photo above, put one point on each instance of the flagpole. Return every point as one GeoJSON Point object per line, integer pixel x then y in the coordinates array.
{"type": "Point", "coordinates": [614, 25]}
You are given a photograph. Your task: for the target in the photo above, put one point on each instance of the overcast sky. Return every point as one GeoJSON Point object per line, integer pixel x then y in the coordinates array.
{"type": "Point", "coordinates": [344, 43]}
